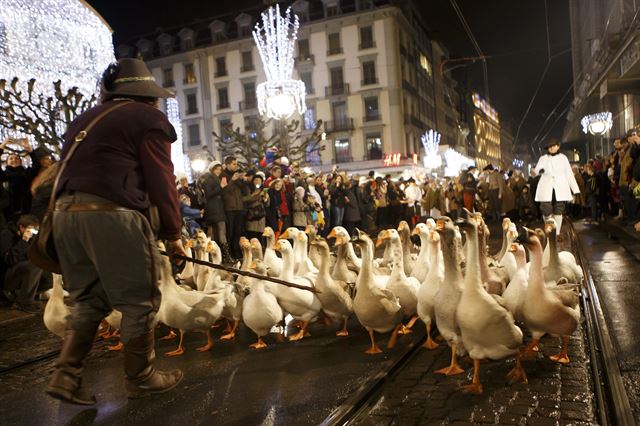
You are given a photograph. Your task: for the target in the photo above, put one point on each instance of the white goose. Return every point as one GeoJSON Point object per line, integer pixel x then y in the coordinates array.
{"type": "Point", "coordinates": [341, 271]}
{"type": "Point", "coordinates": [430, 285]}
{"type": "Point", "coordinates": [304, 265]}
{"type": "Point", "coordinates": [301, 304]}
{"type": "Point", "coordinates": [260, 310]}
{"type": "Point", "coordinates": [55, 311]}
{"type": "Point", "coordinates": [488, 329]}
{"type": "Point", "coordinates": [494, 278]}
{"type": "Point", "coordinates": [376, 307]}
{"type": "Point", "coordinates": [409, 257]}
{"type": "Point", "coordinates": [508, 260]}
{"type": "Point", "coordinates": [271, 259]}
{"type": "Point", "coordinates": [352, 260]}
{"type": "Point", "coordinates": [336, 302]}
{"type": "Point", "coordinates": [561, 264]}
{"type": "Point", "coordinates": [555, 311]}
{"type": "Point", "coordinates": [448, 294]}
{"type": "Point", "coordinates": [421, 267]}
{"type": "Point", "coordinates": [188, 310]}
{"type": "Point", "coordinates": [513, 295]}
{"type": "Point", "coordinates": [233, 309]}
{"type": "Point", "coordinates": [404, 287]}
{"type": "Point", "coordinates": [256, 249]}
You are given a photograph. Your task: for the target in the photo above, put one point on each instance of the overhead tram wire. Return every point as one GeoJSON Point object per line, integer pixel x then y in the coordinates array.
{"type": "Point", "coordinates": [535, 139]}
{"type": "Point", "coordinates": [467, 29]}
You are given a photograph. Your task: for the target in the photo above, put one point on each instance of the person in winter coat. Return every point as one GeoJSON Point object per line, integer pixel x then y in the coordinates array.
{"type": "Point", "coordinates": [338, 194]}
{"type": "Point", "coordinates": [18, 179]}
{"type": "Point", "coordinates": [367, 205]}
{"type": "Point", "coordinates": [508, 200]}
{"type": "Point", "coordinates": [526, 206]}
{"type": "Point", "coordinates": [189, 214]}
{"type": "Point", "coordinates": [256, 198]}
{"type": "Point", "coordinates": [352, 217]}
{"type": "Point", "coordinates": [557, 184]}
{"type": "Point", "coordinates": [470, 187]}
{"type": "Point", "coordinates": [279, 210]}
{"type": "Point", "coordinates": [214, 208]}
{"type": "Point", "coordinates": [301, 209]}
{"type": "Point", "coordinates": [414, 195]}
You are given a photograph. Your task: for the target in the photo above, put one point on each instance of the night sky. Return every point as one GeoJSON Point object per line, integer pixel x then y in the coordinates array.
{"type": "Point", "coordinates": [512, 32]}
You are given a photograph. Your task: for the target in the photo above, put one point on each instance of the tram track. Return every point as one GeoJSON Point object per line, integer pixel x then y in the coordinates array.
{"type": "Point", "coordinates": [611, 400]}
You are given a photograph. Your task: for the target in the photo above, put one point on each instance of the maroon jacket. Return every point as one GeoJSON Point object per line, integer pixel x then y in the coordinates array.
{"type": "Point", "coordinates": [126, 158]}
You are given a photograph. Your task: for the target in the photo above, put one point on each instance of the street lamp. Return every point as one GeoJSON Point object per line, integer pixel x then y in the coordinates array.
{"type": "Point", "coordinates": [198, 165]}
{"type": "Point", "coordinates": [280, 96]}
{"type": "Point", "coordinates": [597, 124]}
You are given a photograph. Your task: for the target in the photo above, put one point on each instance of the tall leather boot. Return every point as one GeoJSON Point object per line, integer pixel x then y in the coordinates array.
{"type": "Point", "coordinates": [66, 382]}
{"type": "Point", "coordinates": [142, 378]}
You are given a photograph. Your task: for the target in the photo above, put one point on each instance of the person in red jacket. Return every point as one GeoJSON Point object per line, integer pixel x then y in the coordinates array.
{"type": "Point", "coordinates": [106, 245]}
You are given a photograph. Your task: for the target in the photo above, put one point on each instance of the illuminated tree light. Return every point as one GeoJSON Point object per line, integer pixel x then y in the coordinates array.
{"type": "Point", "coordinates": [180, 161]}
{"type": "Point", "coordinates": [431, 141]}
{"type": "Point", "coordinates": [455, 162]}
{"type": "Point", "coordinates": [280, 96]}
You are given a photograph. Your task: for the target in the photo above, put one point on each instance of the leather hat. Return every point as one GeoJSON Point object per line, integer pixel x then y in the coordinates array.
{"type": "Point", "coordinates": [131, 77]}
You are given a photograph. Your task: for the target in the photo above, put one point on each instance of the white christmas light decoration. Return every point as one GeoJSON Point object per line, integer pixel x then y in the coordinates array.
{"type": "Point", "coordinates": [280, 96]}
{"type": "Point", "coordinates": [179, 160]}
{"type": "Point", "coordinates": [51, 40]}
{"type": "Point", "coordinates": [597, 124]}
{"type": "Point", "coordinates": [431, 141]}
{"type": "Point", "coordinates": [455, 162]}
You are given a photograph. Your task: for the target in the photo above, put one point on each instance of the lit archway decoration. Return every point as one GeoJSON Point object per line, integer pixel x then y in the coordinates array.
{"type": "Point", "coordinates": [597, 124]}
{"type": "Point", "coordinates": [280, 96]}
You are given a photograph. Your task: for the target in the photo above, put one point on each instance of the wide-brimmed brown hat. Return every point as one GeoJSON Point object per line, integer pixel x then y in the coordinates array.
{"type": "Point", "coordinates": [131, 77]}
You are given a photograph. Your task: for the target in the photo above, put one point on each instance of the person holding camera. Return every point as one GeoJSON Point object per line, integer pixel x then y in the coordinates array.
{"type": "Point", "coordinates": [232, 182]}
{"type": "Point", "coordinates": [21, 277]}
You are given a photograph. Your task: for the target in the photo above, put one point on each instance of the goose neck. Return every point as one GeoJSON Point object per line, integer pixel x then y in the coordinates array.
{"type": "Point", "coordinates": [472, 278]}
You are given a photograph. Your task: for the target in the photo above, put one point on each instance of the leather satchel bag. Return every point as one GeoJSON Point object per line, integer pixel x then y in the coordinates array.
{"type": "Point", "coordinates": [42, 251]}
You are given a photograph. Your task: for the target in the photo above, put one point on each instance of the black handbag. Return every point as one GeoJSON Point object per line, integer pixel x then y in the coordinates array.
{"type": "Point", "coordinates": [42, 251]}
{"type": "Point", "coordinates": [256, 212]}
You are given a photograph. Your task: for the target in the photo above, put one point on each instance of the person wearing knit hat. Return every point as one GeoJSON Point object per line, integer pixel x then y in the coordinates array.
{"type": "Point", "coordinates": [214, 163]}
{"type": "Point", "coordinates": [300, 209]}
{"type": "Point", "coordinates": [557, 184]}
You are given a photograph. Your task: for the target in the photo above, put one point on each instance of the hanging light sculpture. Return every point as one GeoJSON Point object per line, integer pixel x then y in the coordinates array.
{"type": "Point", "coordinates": [431, 141]}
{"type": "Point", "coordinates": [280, 96]}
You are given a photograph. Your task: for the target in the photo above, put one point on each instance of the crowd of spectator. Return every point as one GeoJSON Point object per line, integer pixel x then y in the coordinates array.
{"type": "Point", "coordinates": [229, 202]}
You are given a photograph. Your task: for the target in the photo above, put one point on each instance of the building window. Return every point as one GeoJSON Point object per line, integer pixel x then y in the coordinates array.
{"type": "Point", "coordinates": [221, 67]}
{"type": "Point", "coordinates": [337, 80]}
{"type": "Point", "coordinates": [247, 61]}
{"type": "Point", "coordinates": [304, 53]}
{"type": "Point", "coordinates": [224, 129]}
{"type": "Point", "coordinates": [309, 118]}
{"type": "Point", "coordinates": [189, 74]}
{"type": "Point", "coordinates": [308, 82]}
{"type": "Point", "coordinates": [251, 125]}
{"type": "Point", "coordinates": [342, 150]}
{"type": "Point", "coordinates": [366, 38]}
{"type": "Point", "coordinates": [249, 95]}
{"type": "Point", "coordinates": [312, 154]}
{"type": "Point", "coordinates": [369, 73]}
{"type": "Point", "coordinates": [374, 146]}
{"type": "Point", "coordinates": [334, 44]}
{"type": "Point", "coordinates": [245, 31]}
{"type": "Point", "coordinates": [333, 11]}
{"type": "Point", "coordinates": [371, 112]}
{"type": "Point", "coordinates": [194, 134]}
{"type": "Point", "coordinates": [167, 77]}
{"type": "Point", "coordinates": [425, 64]}
{"type": "Point", "coordinates": [192, 104]}
{"type": "Point", "coordinates": [223, 98]}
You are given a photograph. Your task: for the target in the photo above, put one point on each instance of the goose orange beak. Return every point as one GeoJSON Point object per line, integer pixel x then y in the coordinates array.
{"type": "Point", "coordinates": [440, 225]}
{"type": "Point", "coordinates": [548, 229]}
{"type": "Point", "coordinates": [382, 237]}
{"type": "Point", "coordinates": [332, 234]}
{"type": "Point", "coordinates": [513, 248]}
{"type": "Point", "coordinates": [416, 231]}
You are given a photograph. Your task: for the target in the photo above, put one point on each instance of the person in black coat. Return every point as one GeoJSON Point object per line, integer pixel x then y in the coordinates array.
{"type": "Point", "coordinates": [367, 206]}
{"type": "Point", "coordinates": [352, 216]}
{"type": "Point", "coordinates": [19, 179]}
{"type": "Point", "coordinates": [338, 194]}
{"type": "Point", "coordinates": [214, 216]}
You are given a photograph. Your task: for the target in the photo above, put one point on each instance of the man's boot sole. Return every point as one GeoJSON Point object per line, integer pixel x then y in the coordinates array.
{"type": "Point", "coordinates": [67, 396]}
{"type": "Point", "coordinates": [144, 393]}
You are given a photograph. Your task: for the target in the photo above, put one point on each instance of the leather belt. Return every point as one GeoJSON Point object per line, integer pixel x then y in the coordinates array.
{"type": "Point", "coordinates": [93, 207]}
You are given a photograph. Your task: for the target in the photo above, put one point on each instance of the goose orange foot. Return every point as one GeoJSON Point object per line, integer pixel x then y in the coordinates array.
{"type": "Point", "coordinates": [517, 374]}
{"type": "Point", "coordinates": [169, 336]}
{"type": "Point", "coordinates": [451, 370]}
{"type": "Point", "coordinates": [405, 330]}
{"type": "Point", "coordinates": [474, 388]}
{"type": "Point", "coordinates": [342, 333]}
{"type": "Point", "coordinates": [298, 336]}
{"type": "Point", "coordinates": [179, 351]}
{"type": "Point", "coordinates": [562, 358]}
{"type": "Point", "coordinates": [117, 347]}
{"type": "Point", "coordinates": [373, 350]}
{"type": "Point", "coordinates": [430, 344]}
{"type": "Point", "coordinates": [260, 344]}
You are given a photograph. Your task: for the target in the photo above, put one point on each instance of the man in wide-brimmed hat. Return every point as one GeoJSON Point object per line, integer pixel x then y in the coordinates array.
{"type": "Point", "coordinates": [557, 185]}
{"type": "Point", "coordinates": [107, 248]}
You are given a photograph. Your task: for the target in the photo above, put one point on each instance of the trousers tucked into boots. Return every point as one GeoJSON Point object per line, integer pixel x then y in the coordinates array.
{"type": "Point", "coordinates": [66, 383]}
{"type": "Point", "coordinates": [142, 379]}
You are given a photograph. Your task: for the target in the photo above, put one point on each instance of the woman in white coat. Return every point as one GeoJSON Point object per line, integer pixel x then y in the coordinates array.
{"type": "Point", "coordinates": [557, 184]}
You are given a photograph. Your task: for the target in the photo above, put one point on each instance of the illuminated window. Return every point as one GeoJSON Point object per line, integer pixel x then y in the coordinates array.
{"type": "Point", "coordinates": [374, 146]}
{"type": "Point", "coordinates": [342, 150]}
{"type": "Point", "coordinates": [189, 74]}
{"type": "Point", "coordinates": [425, 64]}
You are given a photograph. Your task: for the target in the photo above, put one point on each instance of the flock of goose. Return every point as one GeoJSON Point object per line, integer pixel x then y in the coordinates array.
{"type": "Point", "coordinates": [478, 302]}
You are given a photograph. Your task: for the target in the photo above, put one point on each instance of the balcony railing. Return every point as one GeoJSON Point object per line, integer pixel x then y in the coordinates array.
{"type": "Point", "coordinates": [168, 83]}
{"type": "Point", "coordinates": [369, 44]}
{"type": "Point", "coordinates": [190, 80]}
{"type": "Point", "coordinates": [334, 51]}
{"type": "Point", "coordinates": [342, 89]}
{"type": "Point", "coordinates": [372, 117]}
{"type": "Point", "coordinates": [339, 124]}
{"type": "Point", "coordinates": [223, 105]}
{"type": "Point", "coordinates": [222, 73]}
{"type": "Point", "coordinates": [369, 81]}
{"type": "Point", "coordinates": [248, 104]}
{"type": "Point", "coordinates": [305, 59]}
{"type": "Point", "coordinates": [247, 68]}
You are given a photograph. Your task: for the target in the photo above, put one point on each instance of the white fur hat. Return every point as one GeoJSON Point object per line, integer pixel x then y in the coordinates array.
{"type": "Point", "coordinates": [214, 163]}
{"type": "Point", "coordinates": [284, 161]}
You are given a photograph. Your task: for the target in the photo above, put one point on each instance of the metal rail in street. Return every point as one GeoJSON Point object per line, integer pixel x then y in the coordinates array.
{"type": "Point", "coordinates": [611, 397]}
